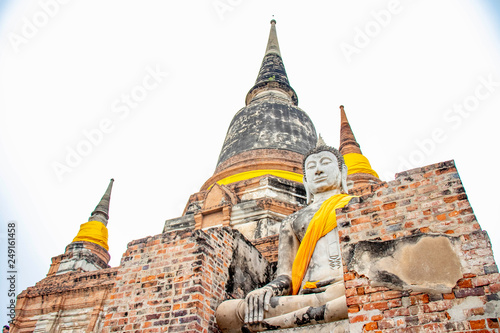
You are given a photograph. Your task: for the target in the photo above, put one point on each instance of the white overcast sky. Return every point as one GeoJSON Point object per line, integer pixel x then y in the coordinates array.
{"type": "Point", "coordinates": [69, 72]}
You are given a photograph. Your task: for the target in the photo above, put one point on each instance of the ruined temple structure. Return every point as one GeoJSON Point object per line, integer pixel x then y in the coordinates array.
{"type": "Point", "coordinates": [225, 243]}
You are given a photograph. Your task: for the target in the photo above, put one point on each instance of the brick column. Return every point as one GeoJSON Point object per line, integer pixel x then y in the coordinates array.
{"type": "Point", "coordinates": [171, 282]}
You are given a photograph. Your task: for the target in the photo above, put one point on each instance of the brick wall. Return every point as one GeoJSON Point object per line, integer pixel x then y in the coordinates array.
{"type": "Point", "coordinates": [71, 301]}
{"type": "Point", "coordinates": [171, 282]}
{"type": "Point", "coordinates": [429, 200]}
{"type": "Point", "coordinates": [268, 246]}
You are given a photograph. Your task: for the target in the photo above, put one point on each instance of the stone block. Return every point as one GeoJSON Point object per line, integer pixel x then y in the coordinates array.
{"type": "Point", "coordinates": [407, 263]}
{"type": "Point", "coordinates": [335, 327]}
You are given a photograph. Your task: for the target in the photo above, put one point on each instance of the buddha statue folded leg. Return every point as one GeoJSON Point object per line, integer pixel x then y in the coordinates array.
{"type": "Point", "coordinates": [331, 311]}
{"type": "Point", "coordinates": [287, 311]}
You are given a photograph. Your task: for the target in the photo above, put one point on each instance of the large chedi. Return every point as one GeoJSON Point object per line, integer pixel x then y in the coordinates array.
{"type": "Point", "coordinates": [270, 134]}
{"type": "Point", "coordinates": [402, 256]}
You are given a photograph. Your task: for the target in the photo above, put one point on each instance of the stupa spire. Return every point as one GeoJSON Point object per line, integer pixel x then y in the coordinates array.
{"type": "Point", "coordinates": [272, 42]}
{"type": "Point", "coordinates": [348, 143]}
{"type": "Point", "coordinates": [272, 74]}
{"type": "Point", "coordinates": [101, 211]}
{"type": "Point", "coordinates": [359, 171]}
{"type": "Point", "coordinates": [89, 249]}
{"type": "Point", "coordinates": [95, 231]}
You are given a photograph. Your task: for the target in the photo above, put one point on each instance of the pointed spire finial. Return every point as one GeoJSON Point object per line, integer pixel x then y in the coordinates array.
{"type": "Point", "coordinates": [348, 143]}
{"type": "Point", "coordinates": [272, 74]}
{"type": "Point", "coordinates": [101, 211]}
{"type": "Point", "coordinates": [320, 141]}
{"type": "Point", "coordinates": [272, 42]}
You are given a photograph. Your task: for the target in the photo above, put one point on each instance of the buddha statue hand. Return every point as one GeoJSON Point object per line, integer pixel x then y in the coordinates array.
{"type": "Point", "coordinates": [257, 302]}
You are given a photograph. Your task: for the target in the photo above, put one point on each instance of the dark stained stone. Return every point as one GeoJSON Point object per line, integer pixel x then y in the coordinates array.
{"type": "Point", "coordinates": [273, 124]}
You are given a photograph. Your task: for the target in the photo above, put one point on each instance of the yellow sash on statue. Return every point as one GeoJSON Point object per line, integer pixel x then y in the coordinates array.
{"type": "Point", "coordinates": [324, 221]}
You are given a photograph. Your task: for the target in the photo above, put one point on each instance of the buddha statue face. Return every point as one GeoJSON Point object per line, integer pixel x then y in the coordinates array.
{"type": "Point", "coordinates": [322, 172]}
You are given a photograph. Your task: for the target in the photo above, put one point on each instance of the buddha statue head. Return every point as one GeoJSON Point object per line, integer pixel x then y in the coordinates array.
{"type": "Point", "coordinates": [324, 170]}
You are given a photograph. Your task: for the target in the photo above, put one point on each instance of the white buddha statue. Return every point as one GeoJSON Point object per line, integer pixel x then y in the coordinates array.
{"type": "Point", "coordinates": [309, 284]}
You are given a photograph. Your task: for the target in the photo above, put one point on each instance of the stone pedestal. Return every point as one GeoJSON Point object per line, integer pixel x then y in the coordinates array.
{"type": "Point", "coordinates": [335, 327]}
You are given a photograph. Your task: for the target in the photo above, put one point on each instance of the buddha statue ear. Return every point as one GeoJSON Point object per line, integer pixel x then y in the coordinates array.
{"type": "Point", "coordinates": [308, 193]}
{"type": "Point", "coordinates": [344, 179]}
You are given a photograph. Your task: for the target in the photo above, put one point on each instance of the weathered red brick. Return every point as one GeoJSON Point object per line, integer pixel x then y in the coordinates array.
{"type": "Point", "coordinates": [464, 283]}
{"type": "Point", "coordinates": [350, 292]}
{"type": "Point", "coordinates": [349, 276]}
{"type": "Point", "coordinates": [358, 319]}
{"type": "Point", "coordinates": [358, 300]}
{"type": "Point", "coordinates": [376, 306]}
{"type": "Point", "coordinates": [441, 217]}
{"type": "Point", "coordinates": [353, 309]}
{"type": "Point", "coordinates": [469, 292]}
{"type": "Point", "coordinates": [394, 303]}
{"type": "Point", "coordinates": [477, 324]}
{"type": "Point", "coordinates": [360, 220]}
{"type": "Point", "coordinates": [494, 288]}
{"type": "Point", "coordinates": [493, 323]}
{"type": "Point", "coordinates": [386, 324]}
{"type": "Point", "coordinates": [392, 294]}
{"type": "Point", "coordinates": [389, 206]}
{"type": "Point", "coordinates": [376, 296]}
{"type": "Point", "coordinates": [371, 326]}
{"type": "Point", "coordinates": [425, 230]}
{"type": "Point", "coordinates": [396, 312]}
